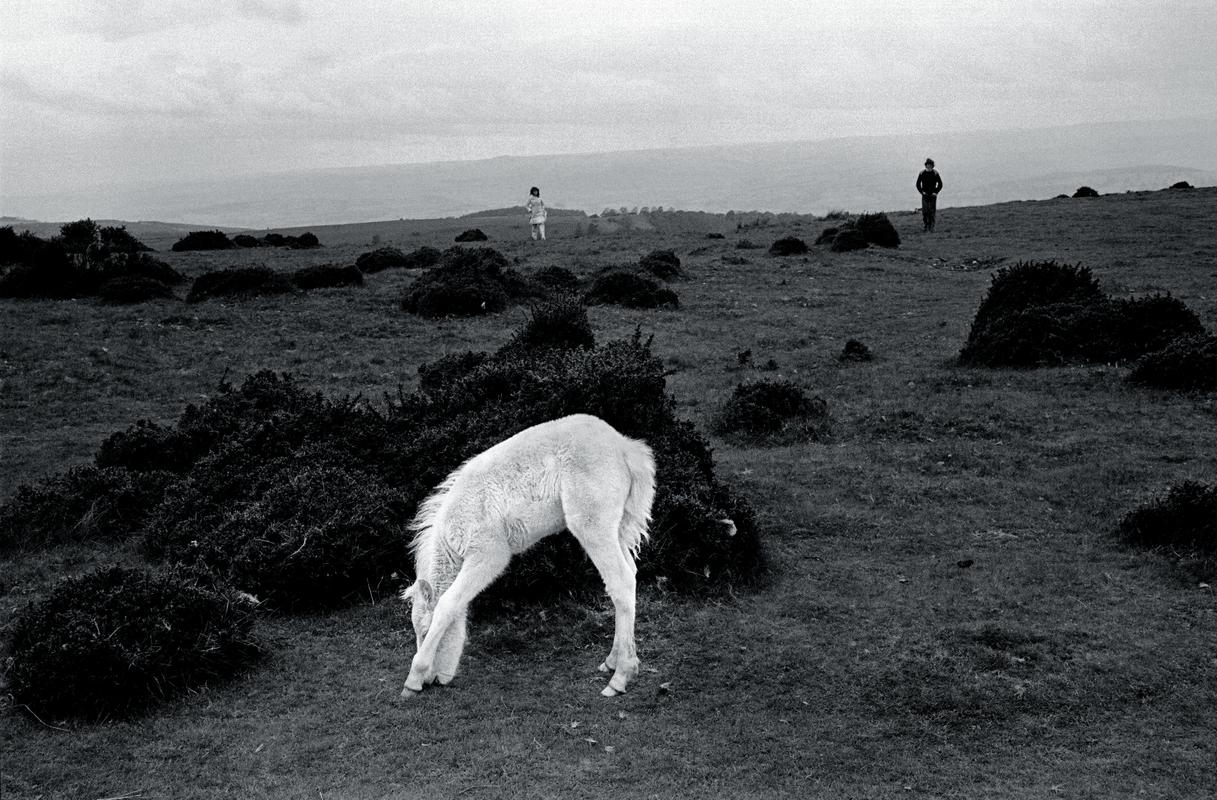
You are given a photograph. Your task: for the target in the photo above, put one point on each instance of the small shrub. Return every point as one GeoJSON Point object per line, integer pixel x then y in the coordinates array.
{"type": "Point", "coordinates": [466, 282]}
{"type": "Point", "coordinates": [203, 240]}
{"type": "Point", "coordinates": [242, 282]}
{"type": "Point", "coordinates": [878, 229]}
{"type": "Point", "coordinates": [1085, 191]}
{"type": "Point", "coordinates": [745, 244]}
{"type": "Point", "coordinates": [247, 241]}
{"type": "Point", "coordinates": [383, 258]}
{"type": "Point", "coordinates": [663, 264]}
{"type": "Point", "coordinates": [422, 257]}
{"type": "Point", "coordinates": [1181, 185]}
{"type": "Point", "coordinates": [305, 241]}
{"type": "Point", "coordinates": [83, 504]}
{"type": "Point", "coordinates": [1038, 336]}
{"type": "Point", "coordinates": [855, 352]}
{"type": "Point", "coordinates": [630, 290]}
{"type": "Point", "coordinates": [147, 446]}
{"type": "Point", "coordinates": [40, 269]}
{"type": "Point", "coordinates": [848, 239]}
{"type": "Point", "coordinates": [129, 289]}
{"type": "Point", "coordinates": [715, 236]}
{"type": "Point", "coordinates": [326, 276]}
{"type": "Point", "coordinates": [1183, 524]}
{"type": "Point", "coordinates": [1185, 364]}
{"type": "Point", "coordinates": [557, 278]}
{"type": "Point", "coordinates": [1146, 324]}
{"type": "Point", "coordinates": [767, 409]}
{"type": "Point", "coordinates": [141, 265]}
{"type": "Point", "coordinates": [1027, 284]}
{"type": "Point", "coordinates": [471, 235]}
{"type": "Point", "coordinates": [789, 246]}
{"type": "Point", "coordinates": [113, 240]}
{"type": "Point", "coordinates": [828, 234]}
{"type": "Point", "coordinates": [558, 322]}
{"type": "Point", "coordinates": [114, 642]}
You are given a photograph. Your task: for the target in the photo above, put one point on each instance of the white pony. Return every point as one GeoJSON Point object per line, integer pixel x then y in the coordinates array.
{"type": "Point", "coordinates": [576, 473]}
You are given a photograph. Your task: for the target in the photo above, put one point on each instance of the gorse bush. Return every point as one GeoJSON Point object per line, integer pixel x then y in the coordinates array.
{"type": "Point", "coordinates": [83, 504]}
{"type": "Point", "coordinates": [631, 290]}
{"type": "Point", "coordinates": [239, 283]}
{"type": "Point", "coordinates": [1188, 363]}
{"type": "Point", "coordinates": [877, 229]}
{"type": "Point", "coordinates": [772, 409]}
{"type": "Point", "coordinates": [855, 351]}
{"type": "Point", "coordinates": [1183, 524]}
{"type": "Point", "coordinates": [245, 240]}
{"type": "Point", "coordinates": [847, 239]}
{"type": "Point", "coordinates": [1044, 313]}
{"type": "Point", "coordinates": [558, 278]}
{"type": "Point", "coordinates": [466, 282]}
{"type": "Point", "coordinates": [1085, 191]}
{"type": "Point", "coordinates": [663, 264]}
{"type": "Point", "coordinates": [789, 246]}
{"type": "Point", "coordinates": [116, 641]}
{"type": "Point", "coordinates": [560, 321]}
{"type": "Point", "coordinates": [326, 276]}
{"type": "Point", "coordinates": [392, 258]}
{"type": "Point", "coordinates": [203, 240]}
{"type": "Point", "coordinates": [471, 235]}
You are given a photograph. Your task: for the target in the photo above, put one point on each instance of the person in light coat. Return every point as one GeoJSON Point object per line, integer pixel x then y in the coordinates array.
{"type": "Point", "coordinates": [536, 213]}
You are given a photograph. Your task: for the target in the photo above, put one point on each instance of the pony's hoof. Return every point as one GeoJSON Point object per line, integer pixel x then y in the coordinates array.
{"type": "Point", "coordinates": [609, 691]}
{"type": "Point", "coordinates": [409, 694]}
{"type": "Point", "coordinates": [444, 680]}
{"type": "Point", "coordinates": [604, 667]}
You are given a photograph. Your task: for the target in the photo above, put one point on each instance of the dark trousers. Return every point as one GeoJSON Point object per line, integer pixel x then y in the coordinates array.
{"type": "Point", "coordinates": [929, 204]}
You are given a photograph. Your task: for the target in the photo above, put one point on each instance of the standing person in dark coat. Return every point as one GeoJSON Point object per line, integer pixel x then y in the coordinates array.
{"type": "Point", "coordinates": [929, 183]}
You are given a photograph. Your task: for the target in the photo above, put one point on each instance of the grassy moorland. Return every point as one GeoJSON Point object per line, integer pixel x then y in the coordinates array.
{"type": "Point", "coordinates": [946, 613]}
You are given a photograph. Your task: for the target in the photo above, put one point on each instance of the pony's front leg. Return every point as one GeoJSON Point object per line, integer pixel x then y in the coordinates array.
{"type": "Point", "coordinates": [477, 572]}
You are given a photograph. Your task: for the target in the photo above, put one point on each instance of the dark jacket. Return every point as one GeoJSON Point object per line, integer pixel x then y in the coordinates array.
{"type": "Point", "coordinates": [929, 182]}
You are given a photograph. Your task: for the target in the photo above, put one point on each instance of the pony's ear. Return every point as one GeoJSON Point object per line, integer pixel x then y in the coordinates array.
{"type": "Point", "coordinates": [420, 592]}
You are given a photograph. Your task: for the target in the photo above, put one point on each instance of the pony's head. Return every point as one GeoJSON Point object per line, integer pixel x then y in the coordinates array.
{"type": "Point", "coordinates": [422, 606]}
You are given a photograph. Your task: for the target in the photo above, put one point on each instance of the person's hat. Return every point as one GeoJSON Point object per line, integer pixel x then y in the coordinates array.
{"type": "Point", "coordinates": [929, 162]}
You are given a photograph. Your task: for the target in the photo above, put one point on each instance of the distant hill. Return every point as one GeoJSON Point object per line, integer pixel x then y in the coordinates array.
{"type": "Point", "coordinates": [855, 174]}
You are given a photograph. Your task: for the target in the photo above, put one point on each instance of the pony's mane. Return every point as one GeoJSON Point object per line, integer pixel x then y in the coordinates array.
{"type": "Point", "coordinates": [424, 544]}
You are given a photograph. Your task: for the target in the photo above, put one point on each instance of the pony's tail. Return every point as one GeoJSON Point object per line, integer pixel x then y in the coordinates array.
{"type": "Point", "coordinates": [641, 465]}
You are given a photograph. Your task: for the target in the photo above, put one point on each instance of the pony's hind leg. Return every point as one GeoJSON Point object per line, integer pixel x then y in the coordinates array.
{"type": "Point", "coordinates": [600, 541]}
{"type": "Point", "coordinates": [480, 568]}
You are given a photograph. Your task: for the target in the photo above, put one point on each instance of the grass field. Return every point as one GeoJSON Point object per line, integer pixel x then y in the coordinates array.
{"type": "Point", "coordinates": [870, 664]}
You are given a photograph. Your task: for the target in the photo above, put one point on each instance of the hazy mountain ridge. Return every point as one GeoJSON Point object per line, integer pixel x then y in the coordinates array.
{"type": "Point", "coordinates": [856, 174]}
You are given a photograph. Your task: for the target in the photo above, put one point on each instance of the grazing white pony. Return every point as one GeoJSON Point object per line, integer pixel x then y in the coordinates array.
{"type": "Point", "coordinates": [576, 473]}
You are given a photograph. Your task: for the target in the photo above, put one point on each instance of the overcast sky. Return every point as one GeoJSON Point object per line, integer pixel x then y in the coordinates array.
{"type": "Point", "coordinates": [95, 91]}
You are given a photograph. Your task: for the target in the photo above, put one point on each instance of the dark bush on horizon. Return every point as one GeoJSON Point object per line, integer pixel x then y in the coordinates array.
{"type": "Point", "coordinates": [247, 241]}
{"type": "Point", "coordinates": [1182, 525]}
{"type": "Point", "coordinates": [117, 641]}
{"type": "Point", "coordinates": [466, 282]}
{"type": "Point", "coordinates": [239, 283]}
{"type": "Point", "coordinates": [471, 235]}
{"type": "Point", "coordinates": [828, 234]}
{"type": "Point", "coordinates": [789, 246]}
{"type": "Point", "coordinates": [767, 410]}
{"type": "Point", "coordinates": [141, 265]}
{"type": "Point", "coordinates": [305, 241]}
{"type": "Point", "coordinates": [1187, 364]}
{"type": "Point", "coordinates": [1085, 191]}
{"type": "Point", "coordinates": [630, 290]}
{"type": "Point", "coordinates": [663, 264]}
{"type": "Point", "coordinates": [326, 276]}
{"type": "Point", "coordinates": [1182, 185]}
{"type": "Point", "coordinates": [203, 240]}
